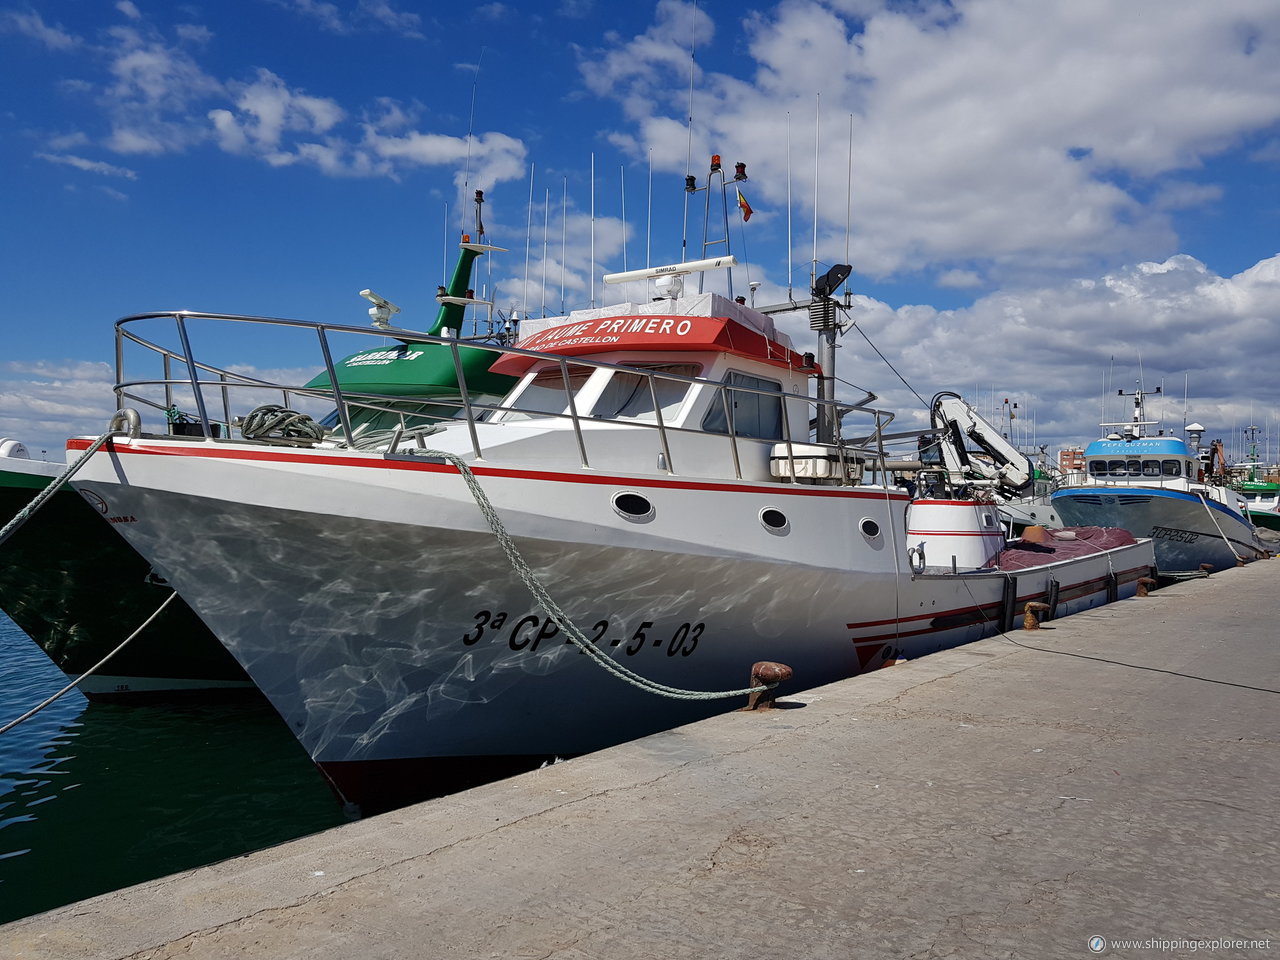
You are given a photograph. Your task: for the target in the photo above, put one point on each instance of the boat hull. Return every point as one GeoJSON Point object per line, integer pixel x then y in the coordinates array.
{"type": "Point", "coordinates": [78, 590]}
{"type": "Point", "coordinates": [1188, 530]}
{"type": "Point", "coordinates": [374, 606]}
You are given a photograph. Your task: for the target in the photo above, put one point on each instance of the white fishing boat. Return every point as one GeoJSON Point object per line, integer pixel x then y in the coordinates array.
{"type": "Point", "coordinates": [599, 556]}
{"type": "Point", "coordinates": [1161, 487]}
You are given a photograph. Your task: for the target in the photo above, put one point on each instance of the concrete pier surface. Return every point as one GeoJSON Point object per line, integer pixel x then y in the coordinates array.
{"type": "Point", "coordinates": [1113, 775]}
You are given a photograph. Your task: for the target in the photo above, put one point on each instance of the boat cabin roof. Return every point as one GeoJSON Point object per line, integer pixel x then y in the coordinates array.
{"type": "Point", "coordinates": [1138, 447]}
{"type": "Point", "coordinates": [705, 323]}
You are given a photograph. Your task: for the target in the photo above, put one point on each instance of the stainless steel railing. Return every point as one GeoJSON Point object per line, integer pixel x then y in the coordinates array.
{"type": "Point", "coordinates": [204, 379]}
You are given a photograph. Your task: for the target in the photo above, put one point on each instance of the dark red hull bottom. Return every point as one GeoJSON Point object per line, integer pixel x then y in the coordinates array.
{"type": "Point", "coordinates": [371, 787]}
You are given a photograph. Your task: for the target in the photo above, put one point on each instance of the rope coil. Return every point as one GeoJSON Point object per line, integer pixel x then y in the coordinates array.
{"type": "Point", "coordinates": [280, 425]}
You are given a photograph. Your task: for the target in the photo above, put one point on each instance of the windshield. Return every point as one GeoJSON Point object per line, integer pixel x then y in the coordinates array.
{"type": "Point", "coordinates": [544, 395]}
{"type": "Point", "coordinates": [628, 395]}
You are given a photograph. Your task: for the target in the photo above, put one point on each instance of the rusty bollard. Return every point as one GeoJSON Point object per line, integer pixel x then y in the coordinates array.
{"type": "Point", "coordinates": [1030, 618]}
{"type": "Point", "coordinates": [763, 672]}
{"type": "Point", "coordinates": [1145, 584]}
{"type": "Point", "coordinates": [1206, 568]}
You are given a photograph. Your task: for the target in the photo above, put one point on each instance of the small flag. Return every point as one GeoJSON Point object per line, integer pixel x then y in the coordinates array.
{"type": "Point", "coordinates": [746, 207]}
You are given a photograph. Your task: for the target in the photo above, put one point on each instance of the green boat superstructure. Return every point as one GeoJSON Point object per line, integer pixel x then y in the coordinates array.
{"type": "Point", "coordinates": [425, 375]}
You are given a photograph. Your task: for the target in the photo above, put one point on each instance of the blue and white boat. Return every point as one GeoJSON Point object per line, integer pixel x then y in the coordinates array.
{"type": "Point", "coordinates": [1158, 487]}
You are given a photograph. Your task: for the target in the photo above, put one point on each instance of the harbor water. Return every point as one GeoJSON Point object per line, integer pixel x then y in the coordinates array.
{"type": "Point", "coordinates": [95, 797]}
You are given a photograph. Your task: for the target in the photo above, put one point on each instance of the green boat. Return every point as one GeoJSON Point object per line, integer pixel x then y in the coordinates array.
{"type": "Point", "coordinates": [424, 375]}
{"type": "Point", "coordinates": [76, 588]}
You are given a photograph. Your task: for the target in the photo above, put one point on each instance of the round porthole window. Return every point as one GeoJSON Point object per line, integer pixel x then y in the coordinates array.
{"type": "Point", "coordinates": [775, 521]}
{"type": "Point", "coordinates": [634, 507]}
{"type": "Point", "coordinates": [870, 529]}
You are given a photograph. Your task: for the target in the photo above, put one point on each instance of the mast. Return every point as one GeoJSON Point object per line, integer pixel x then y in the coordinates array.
{"type": "Point", "coordinates": [457, 295]}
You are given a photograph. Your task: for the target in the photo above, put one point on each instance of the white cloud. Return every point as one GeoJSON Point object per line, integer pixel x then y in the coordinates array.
{"type": "Point", "coordinates": [89, 166]}
{"type": "Point", "coordinates": [31, 24]}
{"type": "Point", "coordinates": [1054, 347]}
{"type": "Point", "coordinates": [1027, 139]}
{"type": "Point", "coordinates": [42, 404]}
{"type": "Point", "coordinates": [367, 15]}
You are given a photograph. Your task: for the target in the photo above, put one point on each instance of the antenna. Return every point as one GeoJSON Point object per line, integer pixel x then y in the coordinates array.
{"type": "Point", "coordinates": [817, 131]}
{"type": "Point", "coordinates": [848, 199]}
{"type": "Point", "coordinates": [528, 237]}
{"type": "Point", "coordinates": [546, 212]}
{"type": "Point", "coordinates": [648, 218]}
{"type": "Point", "coordinates": [622, 184]}
{"type": "Point", "coordinates": [593, 229]}
{"type": "Point", "coordinates": [789, 234]}
{"type": "Point", "coordinates": [688, 150]}
{"type": "Point", "coordinates": [471, 122]}
{"type": "Point", "coordinates": [564, 235]}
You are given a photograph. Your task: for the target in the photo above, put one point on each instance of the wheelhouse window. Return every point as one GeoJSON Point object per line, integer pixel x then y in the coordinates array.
{"type": "Point", "coordinates": [1170, 468]}
{"type": "Point", "coordinates": [755, 415]}
{"type": "Point", "coordinates": [545, 395]}
{"type": "Point", "coordinates": [628, 395]}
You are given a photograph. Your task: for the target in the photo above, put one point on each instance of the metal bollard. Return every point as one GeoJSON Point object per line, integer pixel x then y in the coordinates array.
{"type": "Point", "coordinates": [1030, 620]}
{"type": "Point", "coordinates": [765, 671]}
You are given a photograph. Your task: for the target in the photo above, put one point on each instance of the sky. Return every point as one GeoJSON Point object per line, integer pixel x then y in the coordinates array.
{"type": "Point", "coordinates": [1042, 202]}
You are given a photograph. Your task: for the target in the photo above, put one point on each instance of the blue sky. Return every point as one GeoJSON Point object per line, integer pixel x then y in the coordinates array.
{"type": "Point", "coordinates": [1038, 199]}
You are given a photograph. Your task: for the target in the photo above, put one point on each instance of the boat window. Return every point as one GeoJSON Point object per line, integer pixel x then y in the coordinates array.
{"type": "Point", "coordinates": [1171, 468]}
{"type": "Point", "coordinates": [1117, 468]}
{"type": "Point", "coordinates": [629, 395]}
{"type": "Point", "coordinates": [1135, 468]}
{"type": "Point", "coordinates": [544, 395]}
{"type": "Point", "coordinates": [754, 414]}
{"type": "Point", "coordinates": [1097, 468]}
{"type": "Point", "coordinates": [1151, 468]}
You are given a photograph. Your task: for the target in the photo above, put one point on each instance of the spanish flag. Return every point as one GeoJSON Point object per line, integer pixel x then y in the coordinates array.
{"type": "Point", "coordinates": [746, 207]}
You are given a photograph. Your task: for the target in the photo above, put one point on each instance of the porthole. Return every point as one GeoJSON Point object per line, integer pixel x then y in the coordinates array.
{"type": "Point", "coordinates": [633, 507]}
{"type": "Point", "coordinates": [870, 529]}
{"type": "Point", "coordinates": [775, 521]}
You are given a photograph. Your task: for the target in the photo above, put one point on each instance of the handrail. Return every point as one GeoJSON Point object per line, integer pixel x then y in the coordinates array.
{"type": "Point", "coordinates": [867, 448]}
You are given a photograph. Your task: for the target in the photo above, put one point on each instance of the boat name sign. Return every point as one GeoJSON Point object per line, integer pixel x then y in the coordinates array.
{"type": "Point", "coordinates": [379, 357]}
{"type": "Point", "coordinates": [607, 331]}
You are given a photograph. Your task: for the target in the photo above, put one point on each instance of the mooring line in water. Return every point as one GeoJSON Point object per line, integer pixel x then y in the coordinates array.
{"type": "Point", "coordinates": [560, 618]}
{"type": "Point", "coordinates": [88, 673]}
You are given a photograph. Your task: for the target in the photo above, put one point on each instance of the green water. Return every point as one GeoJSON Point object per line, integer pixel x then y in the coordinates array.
{"type": "Point", "coordinates": [94, 797]}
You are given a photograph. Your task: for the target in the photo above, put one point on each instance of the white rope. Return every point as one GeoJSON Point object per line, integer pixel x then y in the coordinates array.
{"type": "Point", "coordinates": [1209, 510]}
{"type": "Point", "coordinates": [557, 615]}
{"type": "Point", "coordinates": [88, 673]}
{"type": "Point", "coordinates": [39, 500]}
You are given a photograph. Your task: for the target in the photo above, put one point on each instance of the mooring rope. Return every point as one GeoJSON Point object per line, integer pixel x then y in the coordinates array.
{"type": "Point", "coordinates": [130, 418]}
{"type": "Point", "coordinates": [558, 616]}
{"type": "Point", "coordinates": [1225, 540]}
{"type": "Point", "coordinates": [23, 515]}
{"type": "Point", "coordinates": [88, 673]}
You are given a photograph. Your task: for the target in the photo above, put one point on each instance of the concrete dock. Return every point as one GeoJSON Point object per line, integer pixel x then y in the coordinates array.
{"type": "Point", "coordinates": [1113, 775]}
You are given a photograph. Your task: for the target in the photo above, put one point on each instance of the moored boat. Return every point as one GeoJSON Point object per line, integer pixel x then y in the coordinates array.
{"type": "Point", "coordinates": [648, 500]}
{"type": "Point", "coordinates": [1159, 487]}
{"type": "Point", "coordinates": [78, 590]}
